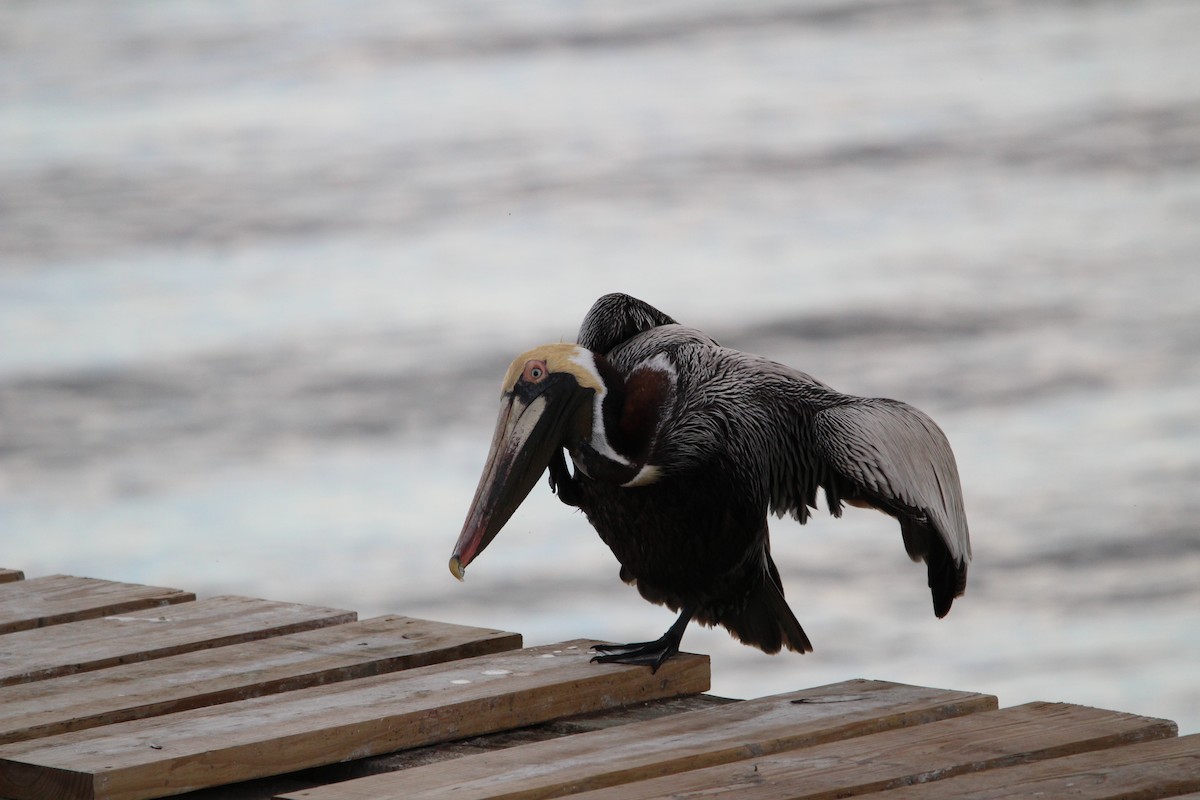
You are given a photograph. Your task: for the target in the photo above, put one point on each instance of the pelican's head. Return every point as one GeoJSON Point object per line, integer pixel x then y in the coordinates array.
{"type": "Point", "coordinates": [550, 397]}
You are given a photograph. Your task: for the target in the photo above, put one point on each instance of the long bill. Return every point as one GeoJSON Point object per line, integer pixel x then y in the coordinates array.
{"type": "Point", "coordinates": [527, 435]}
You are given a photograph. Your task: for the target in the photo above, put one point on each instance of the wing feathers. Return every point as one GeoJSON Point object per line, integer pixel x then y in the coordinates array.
{"type": "Point", "coordinates": [897, 459]}
{"type": "Point", "coordinates": [898, 456]}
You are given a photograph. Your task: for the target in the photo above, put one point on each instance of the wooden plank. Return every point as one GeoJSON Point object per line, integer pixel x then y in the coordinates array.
{"type": "Point", "coordinates": [674, 744]}
{"type": "Point", "coordinates": [154, 633]}
{"type": "Point", "coordinates": [55, 599]}
{"type": "Point", "coordinates": [236, 672]}
{"type": "Point", "coordinates": [931, 752]}
{"type": "Point", "coordinates": [1163, 768]}
{"type": "Point", "coordinates": [9, 575]}
{"type": "Point", "coordinates": [326, 724]}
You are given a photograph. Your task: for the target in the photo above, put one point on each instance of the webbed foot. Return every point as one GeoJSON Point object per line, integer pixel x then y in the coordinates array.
{"type": "Point", "coordinates": [651, 654]}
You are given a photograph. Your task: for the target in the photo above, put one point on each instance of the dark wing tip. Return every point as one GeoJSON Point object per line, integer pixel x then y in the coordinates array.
{"type": "Point", "coordinates": [947, 578]}
{"type": "Point", "coordinates": [895, 458]}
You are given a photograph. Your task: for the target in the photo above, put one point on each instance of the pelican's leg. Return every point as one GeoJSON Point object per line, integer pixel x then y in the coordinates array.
{"type": "Point", "coordinates": [652, 654]}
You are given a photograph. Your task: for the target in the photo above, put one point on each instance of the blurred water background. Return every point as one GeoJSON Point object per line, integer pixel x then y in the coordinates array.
{"type": "Point", "coordinates": [262, 267]}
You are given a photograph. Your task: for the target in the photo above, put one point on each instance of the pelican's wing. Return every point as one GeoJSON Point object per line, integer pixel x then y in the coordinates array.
{"type": "Point", "coordinates": [889, 455]}
{"type": "Point", "coordinates": [616, 318]}
{"type": "Point", "coordinates": [863, 451]}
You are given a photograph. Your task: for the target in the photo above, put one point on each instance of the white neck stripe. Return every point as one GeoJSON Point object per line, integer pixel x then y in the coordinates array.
{"type": "Point", "coordinates": [599, 443]}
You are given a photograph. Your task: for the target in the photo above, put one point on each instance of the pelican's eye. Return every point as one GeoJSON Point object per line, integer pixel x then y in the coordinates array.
{"type": "Point", "coordinates": [535, 371]}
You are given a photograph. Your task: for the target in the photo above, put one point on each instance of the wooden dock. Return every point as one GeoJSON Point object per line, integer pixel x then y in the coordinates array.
{"type": "Point", "coordinates": [115, 690]}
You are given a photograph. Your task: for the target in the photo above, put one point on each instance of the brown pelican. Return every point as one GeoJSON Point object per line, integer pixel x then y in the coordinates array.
{"type": "Point", "coordinates": [682, 447]}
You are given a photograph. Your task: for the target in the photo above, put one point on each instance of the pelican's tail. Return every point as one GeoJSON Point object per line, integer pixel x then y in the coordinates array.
{"type": "Point", "coordinates": [765, 621]}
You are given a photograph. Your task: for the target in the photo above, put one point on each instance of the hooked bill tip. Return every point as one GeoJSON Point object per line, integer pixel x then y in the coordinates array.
{"type": "Point", "coordinates": [456, 568]}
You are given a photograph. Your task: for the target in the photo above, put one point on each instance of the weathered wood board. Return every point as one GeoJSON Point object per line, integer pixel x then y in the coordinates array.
{"type": "Point", "coordinates": [281, 733]}
{"type": "Point", "coordinates": [153, 633]}
{"type": "Point", "coordinates": [55, 599]}
{"type": "Point", "coordinates": [936, 751]}
{"type": "Point", "coordinates": [1163, 768]}
{"type": "Point", "coordinates": [674, 744]}
{"type": "Point", "coordinates": [236, 672]}
{"type": "Point", "coordinates": [115, 690]}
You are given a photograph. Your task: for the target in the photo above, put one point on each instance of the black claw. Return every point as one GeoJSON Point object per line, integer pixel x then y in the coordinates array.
{"type": "Point", "coordinates": [651, 654]}
{"type": "Point", "coordinates": [648, 654]}
{"type": "Point", "coordinates": [632, 647]}
{"type": "Point", "coordinates": [562, 482]}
